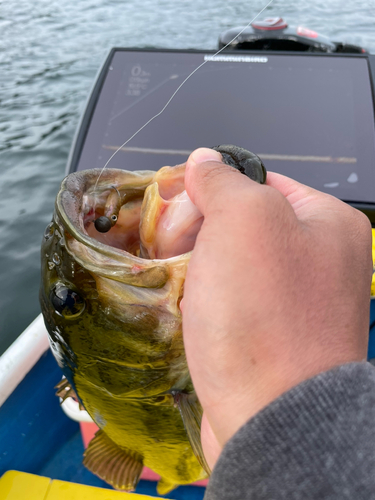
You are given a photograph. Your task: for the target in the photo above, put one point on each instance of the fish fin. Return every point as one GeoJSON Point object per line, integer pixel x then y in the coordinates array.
{"type": "Point", "coordinates": [164, 486]}
{"type": "Point", "coordinates": [65, 391]}
{"type": "Point", "coordinates": [191, 413]}
{"type": "Point", "coordinates": [120, 468]}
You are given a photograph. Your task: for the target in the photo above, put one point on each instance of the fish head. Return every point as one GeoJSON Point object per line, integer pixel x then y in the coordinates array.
{"type": "Point", "coordinates": [127, 281]}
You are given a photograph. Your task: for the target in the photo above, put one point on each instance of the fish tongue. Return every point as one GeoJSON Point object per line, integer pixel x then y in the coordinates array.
{"type": "Point", "coordinates": [168, 227]}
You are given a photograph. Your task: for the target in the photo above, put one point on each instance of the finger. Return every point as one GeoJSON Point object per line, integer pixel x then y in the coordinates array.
{"type": "Point", "coordinates": [209, 181]}
{"type": "Point", "coordinates": [291, 189]}
{"type": "Point", "coordinates": [305, 201]}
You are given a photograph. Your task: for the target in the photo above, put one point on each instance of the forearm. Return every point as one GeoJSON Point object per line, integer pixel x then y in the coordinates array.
{"type": "Point", "coordinates": [317, 441]}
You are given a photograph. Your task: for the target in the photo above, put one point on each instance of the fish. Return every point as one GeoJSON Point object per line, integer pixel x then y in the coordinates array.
{"type": "Point", "coordinates": [114, 261]}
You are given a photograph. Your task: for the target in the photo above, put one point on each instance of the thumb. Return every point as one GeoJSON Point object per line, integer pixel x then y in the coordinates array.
{"type": "Point", "coordinates": [208, 180]}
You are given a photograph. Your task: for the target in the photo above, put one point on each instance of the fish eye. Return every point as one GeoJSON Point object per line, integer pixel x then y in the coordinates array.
{"type": "Point", "coordinates": [114, 218]}
{"type": "Point", "coordinates": [66, 302]}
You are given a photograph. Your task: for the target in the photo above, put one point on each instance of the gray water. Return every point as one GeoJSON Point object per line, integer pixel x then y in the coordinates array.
{"type": "Point", "coordinates": [50, 52]}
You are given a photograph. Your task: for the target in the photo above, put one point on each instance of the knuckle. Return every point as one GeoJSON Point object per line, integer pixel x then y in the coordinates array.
{"type": "Point", "coordinates": [351, 218]}
{"type": "Point", "coordinates": [360, 234]}
{"type": "Point", "coordinates": [363, 221]}
{"type": "Point", "coordinates": [360, 224]}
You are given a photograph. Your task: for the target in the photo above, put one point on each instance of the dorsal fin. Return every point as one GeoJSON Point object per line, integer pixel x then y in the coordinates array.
{"type": "Point", "coordinates": [191, 413]}
{"type": "Point", "coordinates": [118, 467]}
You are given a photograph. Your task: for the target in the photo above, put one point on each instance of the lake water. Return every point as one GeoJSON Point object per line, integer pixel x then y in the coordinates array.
{"type": "Point", "coordinates": [50, 53]}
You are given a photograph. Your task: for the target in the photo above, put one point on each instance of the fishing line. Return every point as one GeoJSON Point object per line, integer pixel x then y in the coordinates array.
{"type": "Point", "coordinates": [175, 92]}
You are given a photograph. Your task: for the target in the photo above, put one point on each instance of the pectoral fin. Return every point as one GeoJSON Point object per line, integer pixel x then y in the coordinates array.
{"type": "Point", "coordinates": [64, 391]}
{"type": "Point", "coordinates": [120, 468]}
{"type": "Point", "coordinates": [191, 413]}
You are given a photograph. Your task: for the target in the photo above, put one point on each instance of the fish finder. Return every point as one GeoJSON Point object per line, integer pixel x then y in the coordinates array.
{"type": "Point", "coordinates": [309, 116]}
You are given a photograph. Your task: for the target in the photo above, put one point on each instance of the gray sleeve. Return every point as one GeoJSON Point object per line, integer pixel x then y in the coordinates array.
{"type": "Point", "coordinates": [315, 442]}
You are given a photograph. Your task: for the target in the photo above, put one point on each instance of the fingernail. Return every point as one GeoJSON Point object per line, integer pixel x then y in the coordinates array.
{"type": "Point", "coordinates": [205, 154]}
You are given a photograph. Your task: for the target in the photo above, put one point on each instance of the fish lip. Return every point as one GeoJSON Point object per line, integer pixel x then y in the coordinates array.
{"type": "Point", "coordinates": [71, 195]}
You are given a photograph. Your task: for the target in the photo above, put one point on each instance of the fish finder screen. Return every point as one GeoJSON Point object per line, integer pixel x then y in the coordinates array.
{"type": "Point", "coordinates": [308, 117]}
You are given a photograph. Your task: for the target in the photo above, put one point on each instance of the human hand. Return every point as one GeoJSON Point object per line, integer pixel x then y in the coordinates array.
{"type": "Point", "coordinates": [277, 291]}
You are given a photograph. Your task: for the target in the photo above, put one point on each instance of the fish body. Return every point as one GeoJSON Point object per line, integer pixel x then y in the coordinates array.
{"type": "Point", "coordinates": [110, 297]}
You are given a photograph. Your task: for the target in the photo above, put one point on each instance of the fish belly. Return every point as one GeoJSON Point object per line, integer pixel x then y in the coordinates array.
{"type": "Point", "coordinates": [152, 428]}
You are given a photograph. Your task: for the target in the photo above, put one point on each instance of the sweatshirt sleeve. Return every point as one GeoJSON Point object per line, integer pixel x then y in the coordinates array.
{"type": "Point", "coordinates": [315, 442]}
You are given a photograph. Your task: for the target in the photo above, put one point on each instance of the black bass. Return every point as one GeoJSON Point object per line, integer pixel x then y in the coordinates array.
{"type": "Point", "coordinates": [114, 261]}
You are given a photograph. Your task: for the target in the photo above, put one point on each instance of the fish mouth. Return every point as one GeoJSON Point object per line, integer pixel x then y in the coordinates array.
{"type": "Point", "coordinates": [144, 215]}
{"type": "Point", "coordinates": [79, 202]}
{"type": "Point", "coordinates": [155, 221]}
